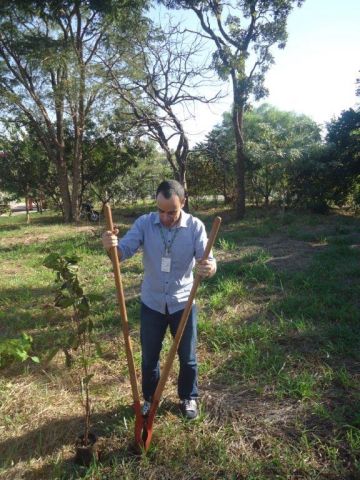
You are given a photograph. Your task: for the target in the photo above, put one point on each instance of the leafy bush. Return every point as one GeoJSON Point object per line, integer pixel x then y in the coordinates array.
{"type": "Point", "coordinates": [16, 349]}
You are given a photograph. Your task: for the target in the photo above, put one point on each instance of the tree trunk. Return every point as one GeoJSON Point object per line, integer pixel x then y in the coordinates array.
{"type": "Point", "coordinates": [76, 167]}
{"type": "Point", "coordinates": [27, 206]}
{"type": "Point", "coordinates": [237, 120]}
{"type": "Point", "coordinates": [182, 179]}
{"type": "Point", "coordinates": [64, 188]}
{"type": "Point", "coordinates": [79, 121]}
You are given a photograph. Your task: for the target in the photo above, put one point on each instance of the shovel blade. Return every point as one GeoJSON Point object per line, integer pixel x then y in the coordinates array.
{"type": "Point", "coordinates": [144, 428]}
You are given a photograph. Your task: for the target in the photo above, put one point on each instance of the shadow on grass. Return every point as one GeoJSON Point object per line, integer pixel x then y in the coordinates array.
{"type": "Point", "coordinates": [25, 308]}
{"type": "Point", "coordinates": [115, 430]}
{"type": "Point", "coordinates": [57, 433]}
{"type": "Point", "coordinates": [42, 219]}
{"type": "Point", "coordinates": [9, 228]}
{"type": "Point", "coordinates": [32, 311]}
{"type": "Point", "coordinates": [80, 243]}
{"type": "Point", "coordinates": [46, 218]}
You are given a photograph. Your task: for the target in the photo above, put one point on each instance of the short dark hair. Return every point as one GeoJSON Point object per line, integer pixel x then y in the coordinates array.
{"type": "Point", "coordinates": [171, 187]}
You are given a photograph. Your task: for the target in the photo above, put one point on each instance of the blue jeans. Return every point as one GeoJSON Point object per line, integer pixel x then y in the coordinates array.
{"type": "Point", "coordinates": [152, 332]}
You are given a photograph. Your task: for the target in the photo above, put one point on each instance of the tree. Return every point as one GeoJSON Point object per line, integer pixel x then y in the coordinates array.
{"type": "Point", "coordinates": [212, 164]}
{"type": "Point", "coordinates": [164, 77]}
{"type": "Point", "coordinates": [343, 139]}
{"type": "Point", "coordinates": [329, 174]}
{"type": "Point", "coordinates": [25, 170]}
{"type": "Point", "coordinates": [49, 72]}
{"type": "Point", "coordinates": [276, 141]}
{"type": "Point", "coordinates": [242, 54]}
{"type": "Point", "coordinates": [142, 179]}
{"type": "Point", "coordinates": [133, 165]}
{"type": "Point", "coordinates": [311, 179]}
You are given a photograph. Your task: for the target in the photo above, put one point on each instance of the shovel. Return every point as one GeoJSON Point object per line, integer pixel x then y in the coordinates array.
{"type": "Point", "coordinates": [125, 329]}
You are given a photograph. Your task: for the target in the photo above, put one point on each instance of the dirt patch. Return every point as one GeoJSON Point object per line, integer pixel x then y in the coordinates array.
{"type": "Point", "coordinates": [31, 238]}
{"type": "Point", "coordinates": [258, 419]}
{"type": "Point", "coordinates": [288, 254]}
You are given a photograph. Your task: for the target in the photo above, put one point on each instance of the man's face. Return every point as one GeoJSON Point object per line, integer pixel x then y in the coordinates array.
{"type": "Point", "coordinates": [169, 209]}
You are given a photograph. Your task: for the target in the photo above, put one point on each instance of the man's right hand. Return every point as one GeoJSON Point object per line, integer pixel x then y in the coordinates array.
{"type": "Point", "coordinates": [109, 239]}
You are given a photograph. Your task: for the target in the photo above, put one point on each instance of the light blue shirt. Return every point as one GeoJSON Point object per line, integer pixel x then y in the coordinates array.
{"type": "Point", "coordinates": [161, 288]}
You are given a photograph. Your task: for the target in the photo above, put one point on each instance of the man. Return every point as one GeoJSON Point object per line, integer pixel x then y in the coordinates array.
{"type": "Point", "coordinates": [173, 242]}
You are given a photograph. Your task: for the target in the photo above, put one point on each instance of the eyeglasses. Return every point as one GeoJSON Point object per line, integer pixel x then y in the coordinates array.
{"type": "Point", "coordinates": [172, 213]}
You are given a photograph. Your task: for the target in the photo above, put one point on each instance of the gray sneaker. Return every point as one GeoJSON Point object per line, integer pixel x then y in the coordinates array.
{"type": "Point", "coordinates": [145, 409]}
{"type": "Point", "coordinates": [189, 408]}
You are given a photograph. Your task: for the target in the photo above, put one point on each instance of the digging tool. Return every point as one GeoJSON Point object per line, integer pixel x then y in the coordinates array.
{"type": "Point", "coordinates": [146, 429]}
{"type": "Point", "coordinates": [125, 329]}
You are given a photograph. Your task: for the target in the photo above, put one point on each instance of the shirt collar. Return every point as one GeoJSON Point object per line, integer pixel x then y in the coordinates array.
{"type": "Point", "coordinates": [183, 219]}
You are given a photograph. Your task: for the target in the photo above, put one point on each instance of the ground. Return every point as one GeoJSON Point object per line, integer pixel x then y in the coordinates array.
{"type": "Point", "coordinates": [278, 356]}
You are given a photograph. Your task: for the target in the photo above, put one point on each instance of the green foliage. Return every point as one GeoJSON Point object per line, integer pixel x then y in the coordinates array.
{"type": "Point", "coordinates": [330, 173]}
{"type": "Point", "coordinates": [343, 138]}
{"type": "Point", "coordinates": [114, 159]}
{"type": "Point", "coordinates": [25, 169]}
{"type": "Point", "coordinates": [310, 180]}
{"type": "Point", "coordinates": [286, 164]}
{"type": "Point", "coordinates": [141, 178]}
{"type": "Point", "coordinates": [51, 78]}
{"type": "Point", "coordinates": [16, 349]}
{"type": "Point", "coordinates": [70, 293]}
{"type": "Point", "coordinates": [276, 141]}
{"type": "Point", "coordinates": [211, 166]}
{"type": "Point", "coordinates": [80, 333]}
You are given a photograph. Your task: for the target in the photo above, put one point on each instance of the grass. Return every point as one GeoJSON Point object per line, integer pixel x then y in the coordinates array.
{"type": "Point", "coordinates": [278, 355]}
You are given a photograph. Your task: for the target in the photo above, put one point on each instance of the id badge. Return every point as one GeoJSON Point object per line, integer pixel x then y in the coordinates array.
{"type": "Point", "coordinates": [165, 264]}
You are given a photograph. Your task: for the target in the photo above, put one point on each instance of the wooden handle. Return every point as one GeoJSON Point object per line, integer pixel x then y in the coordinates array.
{"type": "Point", "coordinates": [183, 321]}
{"type": "Point", "coordinates": [122, 305]}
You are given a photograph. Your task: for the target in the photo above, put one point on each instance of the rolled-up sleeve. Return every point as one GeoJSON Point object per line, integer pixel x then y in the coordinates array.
{"type": "Point", "coordinates": [201, 242]}
{"type": "Point", "coordinates": [133, 239]}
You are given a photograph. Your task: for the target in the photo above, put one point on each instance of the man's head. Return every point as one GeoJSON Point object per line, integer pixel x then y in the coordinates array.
{"type": "Point", "coordinates": [170, 198]}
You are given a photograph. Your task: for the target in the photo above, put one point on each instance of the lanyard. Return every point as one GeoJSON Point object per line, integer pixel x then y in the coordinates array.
{"type": "Point", "coordinates": [168, 247]}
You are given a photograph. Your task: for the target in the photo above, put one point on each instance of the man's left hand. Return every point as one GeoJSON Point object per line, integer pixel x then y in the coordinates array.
{"type": "Point", "coordinates": [205, 268]}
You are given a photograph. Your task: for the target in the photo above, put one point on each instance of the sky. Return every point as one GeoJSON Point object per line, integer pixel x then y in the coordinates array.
{"type": "Point", "coordinates": [316, 72]}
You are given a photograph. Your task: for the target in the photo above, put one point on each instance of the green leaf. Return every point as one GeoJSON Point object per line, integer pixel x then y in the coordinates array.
{"type": "Point", "coordinates": [98, 349]}
{"type": "Point", "coordinates": [90, 326]}
{"type": "Point", "coordinates": [35, 359]}
{"type": "Point", "coordinates": [83, 307]}
{"type": "Point", "coordinates": [78, 291]}
{"type": "Point", "coordinates": [68, 342]}
{"type": "Point", "coordinates": [73, 259]}
{"type": "Point", "coordinates": [21, 354]}
{"type": "Point", "coordinates": [95, 297]}
{"type": "Point", "coordinates": [64, 302]}
{"type": "Point", "coordinates": [51, 354]}
{"type": "Point", "coordinates": [27, 337]}
{"type": "Point", "coordinates": [82, 328]}
{"type": "Point", "coordinates": [72, 269]}
{"type": "Point", "coordinates": [52, 261]}
{"type": "Point", "coordinates": [87, 379]}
